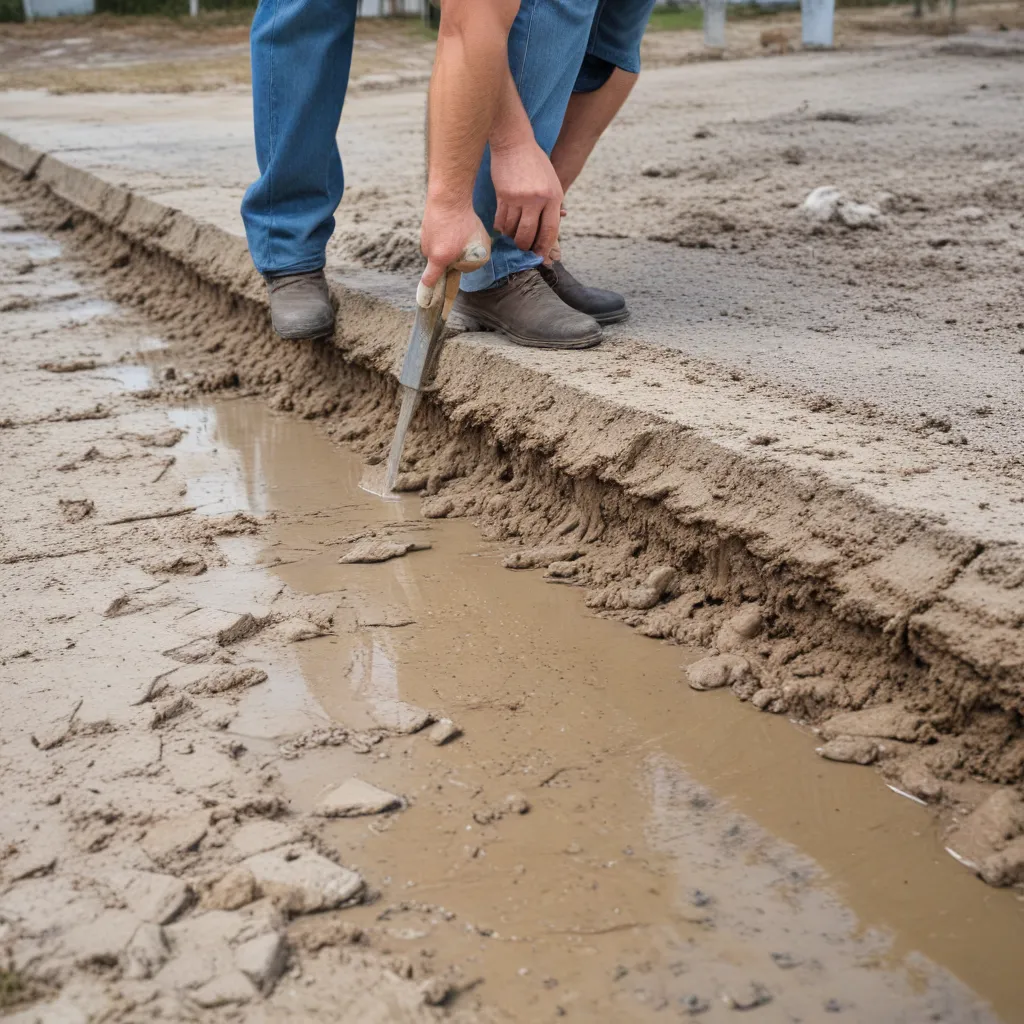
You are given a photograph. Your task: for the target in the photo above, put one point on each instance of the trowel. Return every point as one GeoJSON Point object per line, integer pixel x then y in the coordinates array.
{"type": "Point", "coordinates": [432, 308]}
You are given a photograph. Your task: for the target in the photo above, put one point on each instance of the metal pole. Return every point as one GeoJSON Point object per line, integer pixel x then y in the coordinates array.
{"type": "Point", "coordinates": [193, 8]}
{"type": "Point", "coordinates": [816, 19]}
{"type": "Point", "coordinates": [714, 24]}
{"type": "Point", "coordinates": [27, 7]}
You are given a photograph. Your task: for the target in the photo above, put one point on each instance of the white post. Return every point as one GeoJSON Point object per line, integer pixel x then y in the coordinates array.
{"type": "Point", "coordinates": [193, 8]}
{"type": "Point", "coordinates": [816, 18]}
{"type": "Point", "coordinates": [27, 7]}
{"type": "Point", "coordinates": [714, 24]}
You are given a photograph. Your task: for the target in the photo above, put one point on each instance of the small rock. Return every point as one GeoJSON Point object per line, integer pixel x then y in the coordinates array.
{"type": "Point", "coordinates": [438, 508]}
{"type": "Point", "coordinates": [692, 1005]}
{"type": "Point", "coordinates": [971, 214]}
{"type": "Point", "coordinates": [786, 961]}
{"type": "Point", "coordinates": [717, 671]}
{"type": "Point", "coordinates": [542, 557]}
{"type": "Point", "coordinates": [1005, 867]}
{"type": "Point", "coordinates": [770, 699]}
{"type": "Point", "coordinates": [399, 717]}
{"type": "Point", "coordinates": [887, 721]}
{"type": "Point", "coordinates": [794, 155]}
{"type": "Point", "coordinates": [263, 960]}
{"type": "Point", "coordinates": [75, 510]}
{"type": "Point", "coordinates": [407, 482]}
{"type": "Point", "coordinates": [989, 828]}
{"type": "Point", "coordinates": [747, 997]}
{"type": "Point", "coordinates": [294, 631]}
{"type": "Point", "coordinates": [436, 991]}
{"type": "Point", "coordinates": [850, 750]}
{"type": "Point", "coordinates": [661, 170]}
{"type": "Point", "coordinates": [859, 215]}
{"type": "Point", "coordinates": [699, 898]}
{"type": "Point", "coordinates": [747, 624]}
{"type": "Point", "coordinates": [821, 204]}
{"type": "Point", "coordinates": [180, 563]}
{"type": "Point", "coordinates": [515, 803]}
{"type": "Point", "coordinates": [562, 570]}
{"type": "Point", "coordinates": [442, 731]}
{"type": "Point", "coordinates": [223, 679]}
{"type": "Point", "coordinates": [305, 884]}
{"type": "Point", "coordinates": [355, 797]}
{"type": "Point", "coordinates": [231, 891]}
{"type": "Point", "coordinates": [920, 782]}
{"type": "Point", "coordinates": [146, 953]}
{"type": "Point", "coordinates": [233, 988]}
{"type": "Point", "coordinates": [375, 549]}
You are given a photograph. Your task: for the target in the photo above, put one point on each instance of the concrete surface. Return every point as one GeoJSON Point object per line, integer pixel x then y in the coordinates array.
{"type": "Point", "coordinates": [882, 368]}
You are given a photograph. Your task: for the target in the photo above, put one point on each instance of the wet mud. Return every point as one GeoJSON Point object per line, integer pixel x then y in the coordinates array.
{"type": "Point", "coordinates": [191, 670]}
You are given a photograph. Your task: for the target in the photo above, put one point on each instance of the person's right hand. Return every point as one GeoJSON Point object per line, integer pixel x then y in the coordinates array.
{"type": "Point", "coordinates": [447, 229]}
{"type": "Point", "coordinates": [529, 196]}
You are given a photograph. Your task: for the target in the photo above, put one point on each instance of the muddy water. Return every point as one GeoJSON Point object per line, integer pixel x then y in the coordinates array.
{"type": "Point", "coordinates": [679, 848]}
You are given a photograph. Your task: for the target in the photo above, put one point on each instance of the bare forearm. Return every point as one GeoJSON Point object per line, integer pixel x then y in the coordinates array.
{"type": "Point", "coordinates": [466, 91]}
{"type": "Point", "coordinates": [511, 125]}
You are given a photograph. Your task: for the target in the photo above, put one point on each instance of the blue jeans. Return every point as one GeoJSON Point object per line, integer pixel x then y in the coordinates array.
{"type": "Point", "coordinates": [554, 48]}
{"type": "Point", "coordinates": [301, 56]}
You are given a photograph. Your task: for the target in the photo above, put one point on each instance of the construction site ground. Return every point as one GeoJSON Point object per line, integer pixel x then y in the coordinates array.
{"type": "Point", "coordinates": [794, 477]}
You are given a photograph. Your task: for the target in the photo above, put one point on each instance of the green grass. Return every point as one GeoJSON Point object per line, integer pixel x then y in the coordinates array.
{"type": "Point", "coordinates": [13, 989]}
{"type": "Point", "coordinates": [690, 17]}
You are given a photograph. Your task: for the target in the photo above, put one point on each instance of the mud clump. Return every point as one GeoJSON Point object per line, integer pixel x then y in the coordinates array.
{"type": "Point", "coordinates": [379, 550]}
{"type": "Point", "coordinates": [717, 671]}
{"type": "Point", "coordinates": [354, 798]}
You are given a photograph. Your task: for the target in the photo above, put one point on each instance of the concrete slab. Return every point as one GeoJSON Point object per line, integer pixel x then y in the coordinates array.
{"type": "Point", "coordinates": [878, 375]}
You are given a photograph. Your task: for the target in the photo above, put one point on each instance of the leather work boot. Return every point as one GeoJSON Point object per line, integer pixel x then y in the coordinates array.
{"type": "Point", "coordinates": [526, 310]}
{"type": "Point", "coordinates": [604, 306]}
{"type": "Point", "coordinates": [300, 305]}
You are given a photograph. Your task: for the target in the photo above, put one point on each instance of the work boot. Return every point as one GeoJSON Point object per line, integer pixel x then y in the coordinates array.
{"type": "Point", "coordinates": [529, 313]}
{"type": "Point", "coordinates": [300, 305]}
{"type": "Point", "coordinates": [604, 306]}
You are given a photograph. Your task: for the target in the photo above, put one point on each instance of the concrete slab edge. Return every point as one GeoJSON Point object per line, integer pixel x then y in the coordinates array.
{"type": "Point", "coordinates": [912, 591]}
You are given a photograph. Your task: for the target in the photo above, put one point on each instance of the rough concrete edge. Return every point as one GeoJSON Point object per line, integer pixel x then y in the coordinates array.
{"type": "Point", "coordinates": [942, 616]}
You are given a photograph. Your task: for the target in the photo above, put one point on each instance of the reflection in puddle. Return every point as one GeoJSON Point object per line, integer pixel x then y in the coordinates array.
{"type": "Point", "coordinates": [131, 378]}
{"type": "Point", "coordinates": [35, 247]}
{"type": "Point", "coordinates": [636, 783]}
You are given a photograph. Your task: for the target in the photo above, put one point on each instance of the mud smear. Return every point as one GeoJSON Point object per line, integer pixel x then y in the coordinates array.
{"type": "Point", "coordinates": [646, 873]}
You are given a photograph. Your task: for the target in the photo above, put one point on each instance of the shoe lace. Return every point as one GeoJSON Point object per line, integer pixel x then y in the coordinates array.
{"type": "Point", "coordinates": [529, 281]}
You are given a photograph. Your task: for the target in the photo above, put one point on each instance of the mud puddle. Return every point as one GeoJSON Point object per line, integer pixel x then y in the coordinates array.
{"type": "Point", "coordinates": [679, 853]}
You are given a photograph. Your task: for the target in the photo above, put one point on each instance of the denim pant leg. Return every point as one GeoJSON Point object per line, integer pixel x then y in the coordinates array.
{"type": "Point", "coordinates": [545, 50]}
{"type": "Point", "coordinates": [301, 55]}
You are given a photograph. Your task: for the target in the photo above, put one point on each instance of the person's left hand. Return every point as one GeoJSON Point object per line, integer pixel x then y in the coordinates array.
{"type": "Point", "coordinates": [529, 196]}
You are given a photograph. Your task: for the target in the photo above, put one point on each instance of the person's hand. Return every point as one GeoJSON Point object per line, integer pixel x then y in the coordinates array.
{"type": "Point", "coordinates": [529, 196]}
{"type": "Point", "coordinates": [446, 231]}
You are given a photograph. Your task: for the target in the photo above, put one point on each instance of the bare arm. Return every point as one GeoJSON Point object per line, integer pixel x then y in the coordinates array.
{"type": "Point", "coordinates": [470, 72]}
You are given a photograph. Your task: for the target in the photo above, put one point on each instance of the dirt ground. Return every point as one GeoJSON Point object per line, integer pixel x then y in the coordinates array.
{"type": "Point", "coordinates": [122, 54]}
{"type": "Point", "coordinates": [200, 655]}
{"type": "Point", "coordinates": [189, 674]}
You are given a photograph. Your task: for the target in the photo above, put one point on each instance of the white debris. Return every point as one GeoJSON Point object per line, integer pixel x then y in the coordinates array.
{"type": "Point", "coordinates": [828, 204]}
{"type": "Point", "coordinates": [355, 797]}
{"type": "Point", "coordinates": [305, 884]}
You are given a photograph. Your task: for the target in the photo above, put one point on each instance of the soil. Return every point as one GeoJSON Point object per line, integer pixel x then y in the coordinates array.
{"type": "Point", "coordinates": [192, 664]}
{"type": "Point", "coordinates": [193, 674]}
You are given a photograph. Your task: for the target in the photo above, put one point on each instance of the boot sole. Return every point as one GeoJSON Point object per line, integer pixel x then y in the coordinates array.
{"type": "Point", "coordinates": [496, 325]}
{"type": "Point", "coordinates": [615, 317]}
{"type": "Point", "coordinates": [311, 335]}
